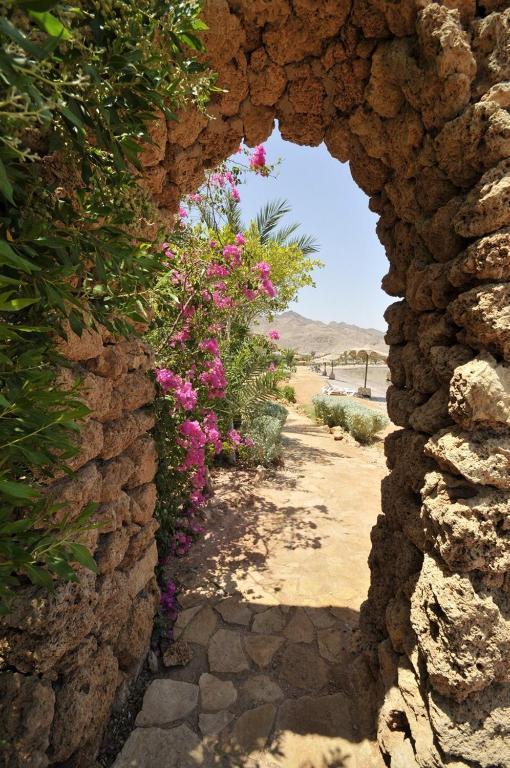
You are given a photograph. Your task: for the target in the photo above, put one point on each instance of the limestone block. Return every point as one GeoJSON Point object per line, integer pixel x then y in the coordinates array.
{"type": "Point", "coordinates": [111, 515]}
{"type": "Point", "coordinates": [153, 151]}
{"type": "Point", "coordinates": [75, 492]}
{"type": "Point", "coordinates": [462, 633]}
{"type": "Point", "coordinates": [142, 571]}
{"type": "Point", "coordinates": [113, 606]}
{"type": "Point", "coordinates": [130, 392]}
{"type": "Point", "coordinates": [445, 359]}
{"type": "Point", "coordinates": [141, 537]}
{"type": "Point", "coordinates": [438, 232]}
{"type": "Point", "coordinates": [111, 549]}
{"type": "Point", "coordinates": [486, 259]}
{"type": "Point", "coordinates": [433, 414]}
{"type": "Point", "coordinates": [216, 694]}
{"type": "Point", "coordinates": [474, 142]}
{"type": "Point", "coordinates": [89, 442]}
{"type": "Point", "coordinates": [115, 475]}
{"type": "Point", "coordinates": [481, 456]}
{"type": "Point", "coordinates": [46, 626]}
{"type": "Point", "coordinates": [75, 347]}
{"type": "Point", "coordinates": [145, 459]}
{"type": "Point", "coordinates": [143, 503]}
{"type": "Point", "coordinates": [94, 391]}
{"type": "Point", "coordinates": [134, 637]}
{"type": "Point", "coordinates": [490, 47]}
{"type": "Point", "coordinates": [119, 434]}
{"type": "Point", "coordinates": [402, 323]}
{"type": "Point", "coordinates": [82, 705]}
{"type": "Point", "coordinates": [476, 729]}
{"type": "Point", "coordinates": [186, 128]}
{"type": "Point", "coordinates": [466, 526]}
{"type": "Point", "coordinates": [267, 80]}
{"type": "Point", "coordinates": [486, 207]}
{"type": "Point", "coordinates": [483, 313]}
{"type": "Point", "coordinates": [480, 393]}
{"type": "Point", "coordinates": [26, 711]}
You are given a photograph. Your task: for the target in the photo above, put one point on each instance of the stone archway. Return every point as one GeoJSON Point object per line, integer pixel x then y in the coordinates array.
{"type": "Point", "coordinates": [413, 95]}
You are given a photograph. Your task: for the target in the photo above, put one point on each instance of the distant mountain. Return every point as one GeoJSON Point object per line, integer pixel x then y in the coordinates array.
{"type": "Point", "coordinates": [305, 335]}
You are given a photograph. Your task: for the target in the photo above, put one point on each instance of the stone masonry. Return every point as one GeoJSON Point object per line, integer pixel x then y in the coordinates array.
{"type": "Point", "coordinates": [415, 95]}
{"type": "Point", "coordinates": [67, 657]}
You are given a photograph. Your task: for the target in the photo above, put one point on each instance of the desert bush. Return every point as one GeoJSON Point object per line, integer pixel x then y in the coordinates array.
{"type": "Point", "coordinates": [361, 422]}
{"type": "Point", "coordinates": [288, 393]}
{"type": "Point", "coordinates": [264, 433]}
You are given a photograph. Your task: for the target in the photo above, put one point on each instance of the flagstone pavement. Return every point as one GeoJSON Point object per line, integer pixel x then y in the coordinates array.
{"type": "Point", "coordinates": [266, 669]}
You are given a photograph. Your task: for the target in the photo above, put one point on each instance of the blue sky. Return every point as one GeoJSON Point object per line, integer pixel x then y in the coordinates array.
{"type": "Point", "coordinates": [330, 206]}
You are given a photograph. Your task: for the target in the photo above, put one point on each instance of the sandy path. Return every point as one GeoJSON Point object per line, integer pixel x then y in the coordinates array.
{"type": "Point", "coordinates": [270, 605]}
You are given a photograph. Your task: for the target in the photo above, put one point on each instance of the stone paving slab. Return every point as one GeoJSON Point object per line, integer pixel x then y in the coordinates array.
{"type": "Point", "coordinates": [266, 673]}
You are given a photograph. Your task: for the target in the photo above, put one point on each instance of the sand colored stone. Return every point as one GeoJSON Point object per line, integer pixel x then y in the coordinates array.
{"type": "Point", "coordinates": [226, 653]}
{"type": "Point", "coordinates": [269, 622]}
{"type": "Point", "coordinates": [300, 629]}
{"type": "Point", "coordinates": [216, 694]}
{"type": "Point", "coordinates": [234, 612]}
{"type": "Point", "coordinates": [166, 701]}
{"type": "Point", "coordinates": [149, 747]}
{"type": "Point", "coordinates": [262, 648]}
{"type": "Point", "coordinates": [252, 729]}
{"type": "Point", "coordinates": [201, 627]}
{"type": "Point", "coordinates": [210, 725]}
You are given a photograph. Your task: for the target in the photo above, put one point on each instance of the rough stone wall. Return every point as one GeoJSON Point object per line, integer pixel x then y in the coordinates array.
{"type": "Point", "coordinates": [67, 657]}
{"type": "Point", "coordinates": [415, 96]}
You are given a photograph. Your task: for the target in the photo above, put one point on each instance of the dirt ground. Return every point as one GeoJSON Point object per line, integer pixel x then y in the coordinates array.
{"type": "Point", "coordinates": [270, 601]}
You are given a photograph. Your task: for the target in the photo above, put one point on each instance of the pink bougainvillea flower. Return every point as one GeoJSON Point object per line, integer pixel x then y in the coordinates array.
{"type": "Point", "coordinates": [230, 177]}
{"type": "Point", "coordinates": [195, 198]}
{"type": "Point", "coordinates": [240, 239]}
{"type": "Point", "coordinates": [185, 396]}
{"type": "Point", "coordinates": [234, 437]}
{"type": "Point", "coordinates": [167, 379]}
{"type": "Point", "coordinates": [263, 268]}
{"type": "Point", "coordinates": [268, 288]}
{"type": "Point", "coordinates": [183, 213]}
{"type": "Point", "coordinates": [273, 335]}
{"type": "Point", "coordinates": [217, 270]}
{"type": "Point", "coordinates": [250, 294]}
{"type": "Point", "coordinates": [217, 179]}
{"type": "Point", "coordinates": [258, 159]}
{"type": "Point", "coordinates": [271, 367]}
{"type": "Point", "coordinates": [212, 243]}
{"type": "Point", "coordinates": [248, 442]}
{"type": "Point", "coordinates": [234, 193]}
{"type": "Point", "coordinates": [209, 345]}
{"type": "Point", "coordinates": [232, 252]}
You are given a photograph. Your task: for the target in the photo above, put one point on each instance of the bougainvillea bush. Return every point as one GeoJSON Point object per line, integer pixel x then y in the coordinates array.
{"type": "Point", "coordinates": [215, 374]}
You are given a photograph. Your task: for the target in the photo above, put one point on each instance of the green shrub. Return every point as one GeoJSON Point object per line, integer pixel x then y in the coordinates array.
{"type": "Point", "coordinates": [288, 393]}
{"type": "Point", "coordinates": [265, 429]}
{"type": "Point", "coordinates": [361, 422]}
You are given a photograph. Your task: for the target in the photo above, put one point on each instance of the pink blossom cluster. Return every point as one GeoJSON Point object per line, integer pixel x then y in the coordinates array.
{"type": "Point", "coordinates": [266, 285]}
{"type": "Point", "coordinates": [221, 179]}
{"type": "Point", "coordinates": [238, 440]}
{"type": "Point", "coordinates": [258, 159]}
{"type": "Point", "coordinates": [183, 393]}
{"type": "Point", "coordinates": [214, 378]}
{"type": "Point", "coordinates": [273, 334]}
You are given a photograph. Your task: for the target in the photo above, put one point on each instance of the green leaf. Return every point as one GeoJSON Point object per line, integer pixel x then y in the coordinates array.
{"type": "Point", "coordinates": [14, 305]}
{"type": "Point", "coordinates": [5, 184]}
{"type": "Point", "coordinates": [50, 24]}
{"type": "Point", "coordinates": [18, 37]}
{"type": "Point", "coordinates": [17, 490]}
{"type": "Point", "coordinates": [38, 576]}
{"type": "Point", "coordinates": [10, 257]}
{"type": "Point", "coordinates": [82, 556]}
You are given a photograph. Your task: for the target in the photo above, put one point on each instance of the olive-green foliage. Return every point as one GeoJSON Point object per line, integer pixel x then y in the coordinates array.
{"type": "Point", "coordinates": [265, 429]}
{"type": "Point", "coordinates": [78, 84]}
{"type": "Point", "coordinates": [288, 393]}
{"type": "Point", "coordinates": [361, 422]}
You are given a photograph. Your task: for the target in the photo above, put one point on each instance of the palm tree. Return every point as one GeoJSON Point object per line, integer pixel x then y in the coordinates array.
{"type": "Point", "coordinates": [267, 221]}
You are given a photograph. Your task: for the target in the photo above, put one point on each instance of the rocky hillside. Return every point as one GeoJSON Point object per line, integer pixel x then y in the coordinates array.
{"type": "Point", "coordinates": [305, 335]}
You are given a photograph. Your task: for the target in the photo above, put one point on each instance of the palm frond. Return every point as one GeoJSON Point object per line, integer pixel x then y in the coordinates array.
{"type": "Point", "coordinates": [268, 218]}
{"type": "Point", "coordinates": [257, 389]}
{"type": "Point", "coordinates": [233, 215]}
{"type": "Point", "coordinates": [306, 244]}
{"type": "Point", "coordinates": [285, 232]}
